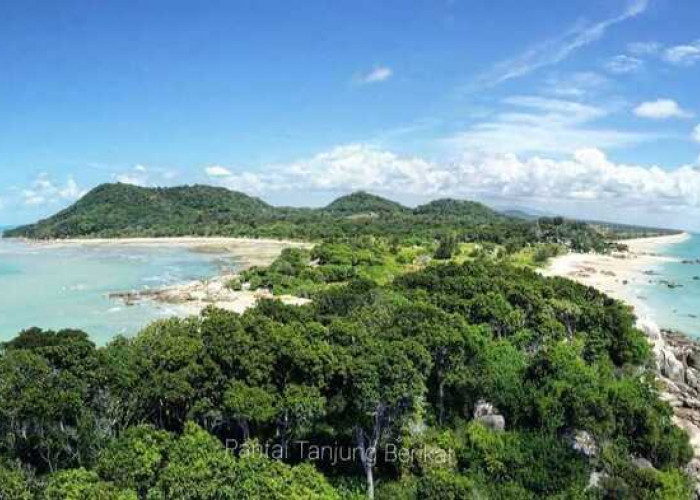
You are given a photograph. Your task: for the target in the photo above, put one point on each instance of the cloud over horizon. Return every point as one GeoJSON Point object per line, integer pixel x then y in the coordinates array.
{"type": "Point", "coordinates": [587, 176]}
{"type": "Point", "coordinates": [45, 191]}
{"type": "Point", "coordinates": [536, 124]}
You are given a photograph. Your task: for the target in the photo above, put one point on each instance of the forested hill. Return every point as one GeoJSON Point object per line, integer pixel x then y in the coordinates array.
{"type": "Point", "coordinates": [360, 203]}
{"type": "Point", "coordinates": [448, 207]}
{"type": "Point", "coordinates": [121, 210]}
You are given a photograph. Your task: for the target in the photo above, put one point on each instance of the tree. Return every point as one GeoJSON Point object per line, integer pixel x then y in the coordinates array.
{"type": "Point", "coordinates": [49, 415]}
{"type": "Point", "coordinates": [14, 483]}
{"type": "Point", "coordinates": [447, 247]}
{"type": "Point", "coordinates": [170, 373]}
{"type": "Point", "coordinates": [299, 408]}
{"type": "Point", "coordinates": [386, 386]}
{"type": "Point", "coordinates": [134, 459]}
{"type": "Point", "coordinates": [81, 484]}
{"type": "Point", "coordinates": [199, 468]}
{"type": "Point", "coordinates": [445, 485]}
{"type": "Point", "coordinates": [246, 404]}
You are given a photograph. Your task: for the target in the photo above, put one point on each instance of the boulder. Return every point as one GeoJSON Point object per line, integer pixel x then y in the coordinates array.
{"type": "Point", "coordinates": [694, 359]}
{"type": "Point", "coordinates": [642, 463]}
{"type": "Point", "coordinates": [485, 413]}
{"type": "Point", "coordinates": [669, 366]}
{"type": "Point", "coordinates": [595, 479]}
{"type": "Point", "coordinates": [583, 442]}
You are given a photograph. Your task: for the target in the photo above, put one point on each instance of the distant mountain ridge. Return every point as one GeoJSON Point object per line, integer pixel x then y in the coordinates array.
{"type": "Point", "coordinates": [124, 210]}
{"type": "Point", "coordinates": [112, 210]}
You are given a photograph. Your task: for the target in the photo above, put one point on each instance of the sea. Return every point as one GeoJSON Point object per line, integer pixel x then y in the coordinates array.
{"type": "Point", "coordinates": [68, 286]}
{"type": "Point", "coordinates": [675, 307]}
{"type": "Point", "coordinates": [59, 286]}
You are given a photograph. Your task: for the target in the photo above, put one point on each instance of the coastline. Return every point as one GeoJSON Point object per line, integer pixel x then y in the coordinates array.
{"type": "Point", "coordinates": [191, 298]}
{"type": "Point", "coordinates": [620, 273]}
{"type": "Point", "coordinates": [249, 251]}
{"type": "Point", "coordinates": [677, 356]}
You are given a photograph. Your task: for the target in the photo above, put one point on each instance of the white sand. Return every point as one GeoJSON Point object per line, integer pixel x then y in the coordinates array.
{"type": "Point", "coordinates": [619, 274]}
{"type": "Point", "coordinates": [252, 252]}
{"type": "Point", "coordinates": [191, 298]}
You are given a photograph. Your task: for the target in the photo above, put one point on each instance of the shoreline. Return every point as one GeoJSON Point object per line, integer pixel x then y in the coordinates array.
{"type": "Point", "coordinates": [248, 251]}
{"type": "Point", "coordinates": [677, 355]}
{"type": "Point", "coordinates": [191, 298]}
{"type": "Point", "coordinates": [619, 274]}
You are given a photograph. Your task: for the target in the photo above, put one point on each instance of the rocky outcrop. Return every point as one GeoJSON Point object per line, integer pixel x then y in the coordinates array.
{"type": "Point", "coordinates": [583, 442]}
{"type": "Point", "coordinates": [485, 413]}
{"type": "Point", "coordinates": [678, 370]}
{"type": "Point", "coordinates": [192, 298]}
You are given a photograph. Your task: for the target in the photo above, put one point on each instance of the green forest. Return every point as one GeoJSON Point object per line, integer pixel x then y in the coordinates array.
{"type": "Point", "coordinates": [433, 362]}
{"type": "Point", "coordinates": [490, 381]}
{"type": "Point", "coordinates": [121, 210]}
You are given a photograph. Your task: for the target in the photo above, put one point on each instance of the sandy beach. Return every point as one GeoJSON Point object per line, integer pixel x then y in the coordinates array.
{"type": "Point", "coordinates": [620, 273]}
{"type": "Point", "coordinates": [250, 251]}
{"type": "Point", "coordinates": [191, 298]}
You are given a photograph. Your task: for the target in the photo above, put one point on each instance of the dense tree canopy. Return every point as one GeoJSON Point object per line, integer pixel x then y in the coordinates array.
{"type": "Point", "coordinates": [195, 408]}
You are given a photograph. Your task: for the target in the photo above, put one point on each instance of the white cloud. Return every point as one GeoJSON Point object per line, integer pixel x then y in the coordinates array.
{"type": "Point", "coordinates": [377, 75]}
{"type": "Point", "coordinates": [623, 64]}
{"type": "Point", "coordinates": [644, 48]}
{"type": "Point", "coordinates": [576, 85]}
{"type": "Point", "coordinates": [44, 191]}
{"type": "Point", "coordinates": [557, 49]}
{"type": "Point", "coordinates": [683, 55]}
{"type": "Point", "coordinates": [347, 167]}
{"type": "Point", "coordinates": [141, 175]}
{"type": "Point", "coordinates": [541, 125]}
{"type": "Point", "coordinates": [696, 133]}
{"type": "Point", "coordinates": [661, 109]}
{"type": "Point", "coordinates": [588, 176]}
{"type": "Point", "coordinates": [217, 171]}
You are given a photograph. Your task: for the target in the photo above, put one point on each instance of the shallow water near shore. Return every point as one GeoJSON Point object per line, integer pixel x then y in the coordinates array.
{"type": "Point", "coordinates": [58, 286]}
{"type": "Point", "coordinates": [676, 307]}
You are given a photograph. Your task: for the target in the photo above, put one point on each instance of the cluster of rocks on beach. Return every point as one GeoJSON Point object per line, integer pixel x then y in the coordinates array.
{"type": "Point", "coordinates": [678, 371]}
{"type": "Point", "coordinates": [190, 299]}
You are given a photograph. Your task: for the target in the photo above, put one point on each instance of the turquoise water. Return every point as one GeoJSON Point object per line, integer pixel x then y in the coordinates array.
{"type": "Point", "coordinates": [677, 308]}
{"type": "Point", "coordinates": [68, 287]}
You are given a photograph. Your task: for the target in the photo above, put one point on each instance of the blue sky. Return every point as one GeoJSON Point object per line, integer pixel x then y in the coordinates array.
{"type": "Point", "coordinates": [584, 107]}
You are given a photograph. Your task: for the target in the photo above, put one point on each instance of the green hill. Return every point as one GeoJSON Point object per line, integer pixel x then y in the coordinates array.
{"type": "Point", "coordinates": [448, 207]}
{"type": "Point", "coordinates": [363, 203]}
{"type": "Point", "coordinates": [127, 210]}
{"type": "Point", "coordinates": [122, 210]}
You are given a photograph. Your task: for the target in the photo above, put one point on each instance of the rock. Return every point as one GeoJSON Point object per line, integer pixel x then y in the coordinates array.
{"type": "Point", "coordinates": [584, 443]}
{"type": "Point", "coordinates": [494, 422]}
{"type": "Point", "coordinates": [693, 359]}
{"type": "Point", "coordinates": [485, 413]}
{"type": "Point", "coordinates": [670, 366]}
{"type": "Point", "coordinates": [678, 370]}
{"type": "Point", "coordinates": [642, 463]}
{"type": "Point", "coordinates": [650, 329]}
{"type": "Point", "coordinates": [595, 479]}
{"type": "Point", "coordinates": [693, 470]}
{"type": "Point", "coordinates": [692, 378]}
